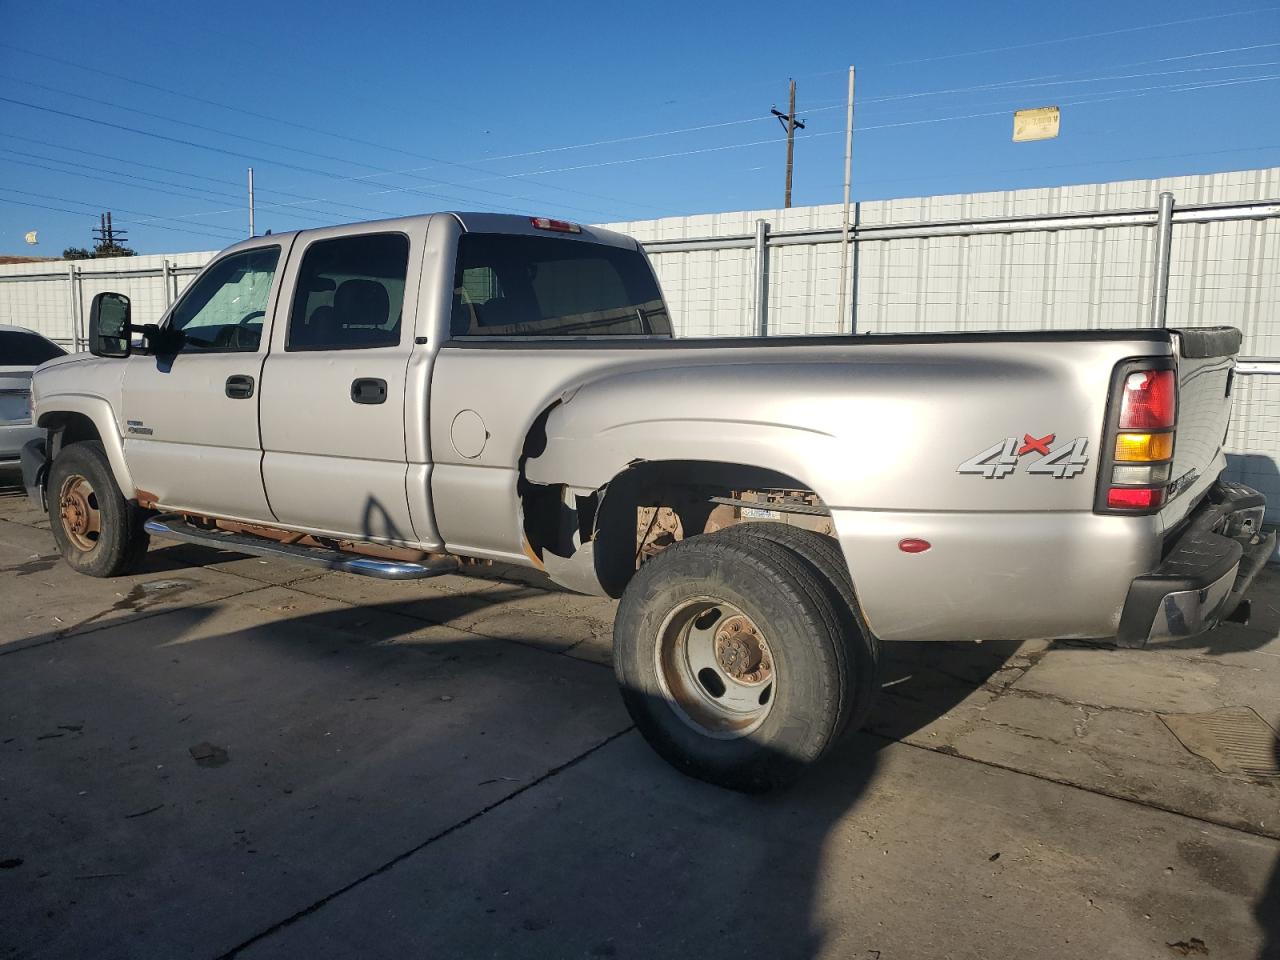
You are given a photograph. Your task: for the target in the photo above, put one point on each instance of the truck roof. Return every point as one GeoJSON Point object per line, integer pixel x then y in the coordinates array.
{"type": "Point", "coordinates": [511, 223]}
{"type": "Point", "coordinates": [514, 223]}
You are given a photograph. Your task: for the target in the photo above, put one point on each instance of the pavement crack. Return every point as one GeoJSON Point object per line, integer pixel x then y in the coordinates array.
{"type": "Point", "coordinates": [401, 857]}
{"type": "Point", "coordinates": [947, 750]}
{"type": "Point", "coordinates": [1079, 704]}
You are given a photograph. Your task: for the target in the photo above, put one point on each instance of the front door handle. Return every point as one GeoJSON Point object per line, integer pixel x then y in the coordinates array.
{"type": "Point", "coordinates": [239, 387]}
{"type": "Point", "coordinates": [369, 390]}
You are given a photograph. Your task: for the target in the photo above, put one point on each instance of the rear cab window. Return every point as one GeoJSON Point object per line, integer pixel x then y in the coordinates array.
{"type": "Point", "coordinates": [510, 285]}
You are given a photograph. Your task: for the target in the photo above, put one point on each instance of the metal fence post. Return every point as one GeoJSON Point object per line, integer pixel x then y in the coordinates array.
{"type": "Point", "coordinates": [1164, 250]}
{"type": "Point", "coordinates": [166, 276]}
{"type": "Point", "coordinates": [73, 307]}
{"type": "Point", "coordinates": [762, 278]}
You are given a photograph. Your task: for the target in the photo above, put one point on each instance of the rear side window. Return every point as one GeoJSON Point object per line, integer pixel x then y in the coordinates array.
{"type": "Point", "coordinates": [19, 349]}
{"type": "Point", "coordinates": [508, 285]}
{"type": "Point", "coordinates": [350, 293]}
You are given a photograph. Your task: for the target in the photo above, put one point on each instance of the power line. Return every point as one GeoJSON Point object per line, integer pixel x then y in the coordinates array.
{"type": "Point", "coordinates": [1139, 91]}
{"type": "Point", "coordinates": [840, 105]}
{"type": "Point", "coordinates": [740, 85]}
{"type": "Point", "coordinates": [1084, 36]}
{"type": "Point", "coordinates": [231, 183]}
{"type": "Point", "coordinates": [115, 174]}
{"type": "Point", "coordinates": [230, 153]}
{"type": "Point", "coordinates": [40, 196]}
{"type": "Point", "coordinates": [1068, 166]}
{"type": "Point", "coordinates": [281, 120]}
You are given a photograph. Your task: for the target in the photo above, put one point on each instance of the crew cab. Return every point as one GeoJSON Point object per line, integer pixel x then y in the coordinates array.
{"type": "Point", "coordinates": [407, 397]}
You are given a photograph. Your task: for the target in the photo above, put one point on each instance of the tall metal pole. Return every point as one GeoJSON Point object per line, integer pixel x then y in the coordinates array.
{"type": "Point", "coordinates": [844, 232]}
{"type": "Point", "coordinates": [251, 230]}
{"type": "Point", "coordinates": [1164, 250]}
{"type": "Point", "coordinates": [791, 139]}
{"type": "Point", "coordinates": [762, 278]}
{"type": "Point", "coordinates": [73, 308]}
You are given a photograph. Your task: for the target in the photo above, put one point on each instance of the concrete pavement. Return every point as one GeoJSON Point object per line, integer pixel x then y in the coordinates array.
{"type": "Point", "coordinates": [225, 757]}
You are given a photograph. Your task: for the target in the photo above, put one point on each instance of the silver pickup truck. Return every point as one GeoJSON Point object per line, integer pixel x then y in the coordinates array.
{"type": "Point", "coordinates": [404, 398]}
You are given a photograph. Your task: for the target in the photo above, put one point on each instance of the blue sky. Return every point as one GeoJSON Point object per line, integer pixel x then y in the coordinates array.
{"type": "Point", "coordinates": [595, 111]}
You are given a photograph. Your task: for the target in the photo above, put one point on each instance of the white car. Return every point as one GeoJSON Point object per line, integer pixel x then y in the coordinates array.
{"type": "Point", "coordinates": [21, 351]}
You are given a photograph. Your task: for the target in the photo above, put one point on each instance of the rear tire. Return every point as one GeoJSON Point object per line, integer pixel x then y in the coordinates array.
{"type": "Point", "coordinates": [98, 531]}
{"type": "Point", "coordinates": [729, 654]}
{"type": "Point", "coordinates": [823, 554]}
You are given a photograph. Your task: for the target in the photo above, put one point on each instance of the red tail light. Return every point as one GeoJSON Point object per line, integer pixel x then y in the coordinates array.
{"type": "Point", "coordinates": [1149, 401]}
{"type": "Point", "coordinates": [1136, 459]}
{"type": "Point", "coordinates": [1134, 498]}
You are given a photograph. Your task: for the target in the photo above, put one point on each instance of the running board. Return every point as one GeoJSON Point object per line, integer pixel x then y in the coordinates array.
{"type": "Point", "coordinates": [174, 527]}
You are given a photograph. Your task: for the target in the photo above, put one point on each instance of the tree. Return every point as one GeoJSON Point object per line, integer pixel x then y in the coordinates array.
{"type": "Point", "coordinates": [112, 249]}
{"type": "Point", "coordinates": [100, 250]}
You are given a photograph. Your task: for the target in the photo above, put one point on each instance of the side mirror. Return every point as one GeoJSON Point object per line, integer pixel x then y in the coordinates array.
{"type": "Point", "coordinates": [109, 327]}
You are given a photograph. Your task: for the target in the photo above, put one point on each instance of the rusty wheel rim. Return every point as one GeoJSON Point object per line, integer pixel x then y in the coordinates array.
{"type": "Point", "coordinates": [79, 513]}
{"type": "Point", "coordinates": [716, 668]}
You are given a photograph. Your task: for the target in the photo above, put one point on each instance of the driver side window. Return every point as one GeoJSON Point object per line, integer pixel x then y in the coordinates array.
{"type": "Point", "coordinates": [224, 310]}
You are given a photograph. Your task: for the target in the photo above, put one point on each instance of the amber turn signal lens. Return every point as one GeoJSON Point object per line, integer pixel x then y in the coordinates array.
{"type": "Point", "coordinates": [1144, 446]}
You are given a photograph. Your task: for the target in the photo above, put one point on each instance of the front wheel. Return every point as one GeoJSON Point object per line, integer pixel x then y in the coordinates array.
{"type": "Point", "coordinates": [728, 652]}
{"type": "Point", "coordinates": [97, 530]}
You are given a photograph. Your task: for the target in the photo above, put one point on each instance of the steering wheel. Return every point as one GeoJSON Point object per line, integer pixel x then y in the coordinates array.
{"type": "Point", "coordinates": [229, 336]}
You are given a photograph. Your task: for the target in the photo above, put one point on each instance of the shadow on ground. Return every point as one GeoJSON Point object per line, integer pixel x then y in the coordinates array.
{"type": "Point", "coordinates": [356, 736]}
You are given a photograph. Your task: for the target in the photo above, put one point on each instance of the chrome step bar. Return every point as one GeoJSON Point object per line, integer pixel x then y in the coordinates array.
{"type": "Point", "coordinates": [175, 527]}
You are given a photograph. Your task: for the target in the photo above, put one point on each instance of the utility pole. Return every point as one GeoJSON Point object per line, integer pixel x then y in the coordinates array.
{"type": "Point", "coordinates": [109, 239]}
{"type": "Point", "coordinates": [251, 233]}
{"type": "Point", "coordinates": [844, 233]}
{"type": "Point", "coordinates": [790, 124]}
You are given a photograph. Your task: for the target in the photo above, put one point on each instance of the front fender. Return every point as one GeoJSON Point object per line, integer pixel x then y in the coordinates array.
{"type": "Point", "coordinates": [51, 411]}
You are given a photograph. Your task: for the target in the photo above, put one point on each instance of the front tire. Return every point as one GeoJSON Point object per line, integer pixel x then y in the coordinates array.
{"type": "Point", "coordinates": [98, 531]}
{"type": "Point", "coordinates": [728, 652]}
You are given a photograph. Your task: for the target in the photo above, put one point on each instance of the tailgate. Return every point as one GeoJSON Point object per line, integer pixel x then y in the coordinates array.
{"type": "Point", "coordinates": [1206, 366]}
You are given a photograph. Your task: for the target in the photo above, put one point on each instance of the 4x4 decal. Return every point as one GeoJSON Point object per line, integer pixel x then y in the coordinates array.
{"type": "Point", "coordinates": [1064, 461]}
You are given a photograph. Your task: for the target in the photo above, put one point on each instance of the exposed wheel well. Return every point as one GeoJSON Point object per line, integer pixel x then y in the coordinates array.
{"type": "Point", "coordinates": [653, 504]}
{"type": "Point", "coordinates": [67, 428]}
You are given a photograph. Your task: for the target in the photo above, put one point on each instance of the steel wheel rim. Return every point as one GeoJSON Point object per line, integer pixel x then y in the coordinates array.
{"type": "Point", "coordinates": [716, 668]}
{"type": "Point", "coordinates": [79, 512]}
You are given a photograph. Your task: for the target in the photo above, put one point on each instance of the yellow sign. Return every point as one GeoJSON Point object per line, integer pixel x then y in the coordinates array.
{"type": "Point", "coordinates": [31, 238]}
{"type": "Point", "coordinates": [1040, 123]}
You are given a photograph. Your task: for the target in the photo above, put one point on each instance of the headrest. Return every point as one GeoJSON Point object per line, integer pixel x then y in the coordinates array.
{"type": "Point", "coordinates": [360, 302]}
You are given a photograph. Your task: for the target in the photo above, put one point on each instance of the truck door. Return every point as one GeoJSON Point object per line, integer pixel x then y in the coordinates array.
{"type": "Point", "coordinates": [333, 393]}
{"type": "Point", "coordinates": [190, 420]}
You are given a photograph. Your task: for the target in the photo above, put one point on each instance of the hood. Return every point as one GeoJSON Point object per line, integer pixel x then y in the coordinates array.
{"type": "Point", "coordinates": [63, 361]}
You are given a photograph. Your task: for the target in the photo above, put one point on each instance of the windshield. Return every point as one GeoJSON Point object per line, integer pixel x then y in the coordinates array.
{"type": "Point", "coordinates": [509, 285]}
{"type": "Point", "coordinates": [21, 349]}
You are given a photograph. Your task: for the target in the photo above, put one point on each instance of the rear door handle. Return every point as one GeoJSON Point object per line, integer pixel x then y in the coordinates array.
{"type": "Point", "coordinates": [369, 390]}
{"type": "Point", "coordinates": [239, 387]}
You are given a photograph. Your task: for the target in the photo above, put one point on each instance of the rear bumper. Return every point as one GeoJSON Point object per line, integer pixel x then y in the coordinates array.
{"type": "Point", "coordinates": [1205, 575]}
{"type": "Point", "coordinates": [13, 436]}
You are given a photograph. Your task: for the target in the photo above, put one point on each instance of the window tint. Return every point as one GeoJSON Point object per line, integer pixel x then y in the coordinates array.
{"type": "Point", "coordinates": [18, 349]}
{"type": "Point", "coordinates": [224, 310]}
{"type": "Point", "coordinates": [508, 285]}
{"type": "Point", "coordinates": [350, 293]}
